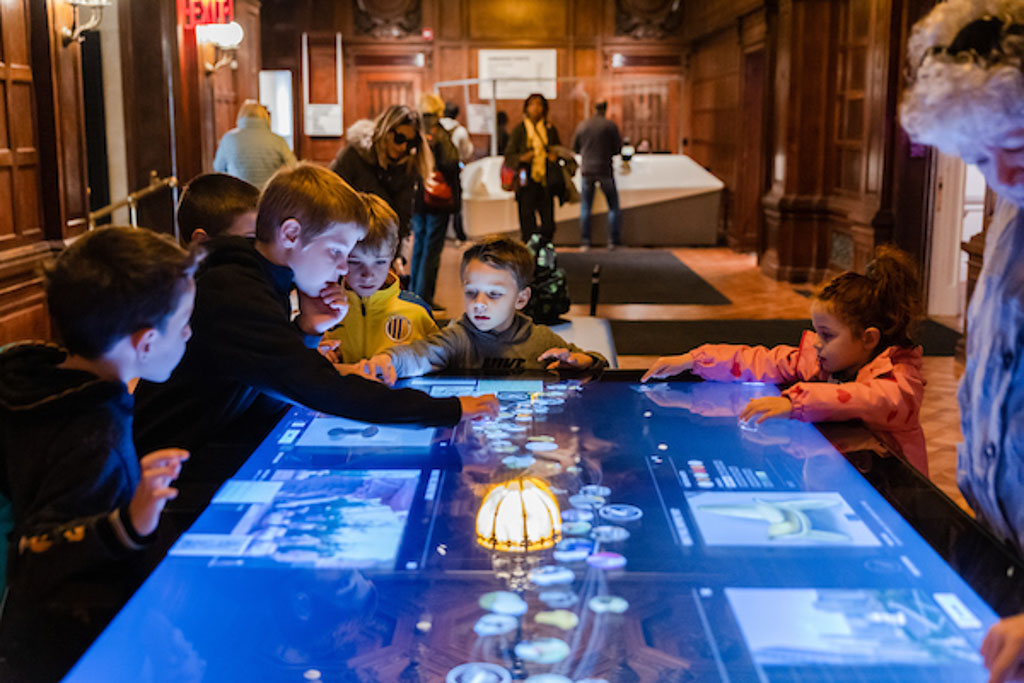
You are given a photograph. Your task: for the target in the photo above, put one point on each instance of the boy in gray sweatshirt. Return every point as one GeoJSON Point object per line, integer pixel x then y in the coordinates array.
{"type": "Point", "coordinates": [492, 334]}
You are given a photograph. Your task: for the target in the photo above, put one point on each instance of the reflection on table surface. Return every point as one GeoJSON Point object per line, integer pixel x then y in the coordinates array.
{"type": "Point", "coordinates": [682, 547]}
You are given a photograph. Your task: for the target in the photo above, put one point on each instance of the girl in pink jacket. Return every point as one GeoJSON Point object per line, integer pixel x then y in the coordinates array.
{"type": "Point", "coordinates": [859, 363]}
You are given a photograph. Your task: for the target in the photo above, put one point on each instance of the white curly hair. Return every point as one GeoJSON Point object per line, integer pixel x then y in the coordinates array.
{"type": "Point", "coordinates": [955, 101]}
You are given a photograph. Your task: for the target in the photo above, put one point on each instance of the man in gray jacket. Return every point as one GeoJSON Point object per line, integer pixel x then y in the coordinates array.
{"type": "Point", "coordinates": [598, 140]}
{"type": "Point", "coordinates": [251, 151]}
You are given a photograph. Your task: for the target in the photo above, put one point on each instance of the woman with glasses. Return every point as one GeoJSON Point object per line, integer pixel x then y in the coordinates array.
{"type": "Point", "coordinates": [388, 157]}
{"type": "Point", "coordinates": [966, 96]}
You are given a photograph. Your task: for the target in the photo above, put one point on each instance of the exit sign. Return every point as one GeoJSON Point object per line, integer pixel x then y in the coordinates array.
{"type": "Point", "coordinates": [194, 13]}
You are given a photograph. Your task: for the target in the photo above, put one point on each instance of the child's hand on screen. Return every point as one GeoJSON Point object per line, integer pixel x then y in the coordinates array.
{"type": "Point", "coordinates": [766, 407]}
{"type": "Point", "coordinates": [563, 358]}
{"type": "Point", "coordinates": [668, 366]}
{"type": "Point", "coordinates": [474, 407]}
{"type": "Point", "coordinates": [381, 368]}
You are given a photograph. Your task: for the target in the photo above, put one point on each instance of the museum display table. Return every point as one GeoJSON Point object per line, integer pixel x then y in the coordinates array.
{"type": "Point", "coordinates": [593, 531]}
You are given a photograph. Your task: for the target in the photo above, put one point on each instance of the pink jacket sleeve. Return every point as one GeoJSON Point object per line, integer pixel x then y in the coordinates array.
{"type": "Point", "coordinates": [778, 365]}
{"type": "Point", "coordinates": [891, 401]}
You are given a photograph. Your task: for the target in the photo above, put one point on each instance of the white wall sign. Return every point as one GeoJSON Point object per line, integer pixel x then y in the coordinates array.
{"type": "Point", "coordinates": [529, 64]}
{"type": "Point", "coordinates": [478, 119]}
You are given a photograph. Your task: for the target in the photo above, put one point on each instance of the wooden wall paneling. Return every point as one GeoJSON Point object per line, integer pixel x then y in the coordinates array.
{"type": "Point", "coordinates": [860, 141]}
{"type": "Point", "coordinates": [46, 124]}
{"type": "Point", "coordinates": [701, 19]}
{"type": "Point", "coordinates": [796, 213]}
{"type": "Point", "coordinates": [154, 104]}
{"type": "Point", "coordinates": [747, 228]}
{"type": "Point", "coordinates": [20, 190]}
{"type": "Point", "coordinates": [714, 78]}
{"type": "Point", "coordinates": [908, 195]}
{"type": "Point", "coordinates": [529, 21]}
{"type": "Point", "coordinates": [323, 87]}
{"type": "Point", "coordinates": [450, 21]}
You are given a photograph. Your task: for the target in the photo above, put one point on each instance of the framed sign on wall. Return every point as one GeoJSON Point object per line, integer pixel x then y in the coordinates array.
{"type": "Point", "coordinates": [538, 67]}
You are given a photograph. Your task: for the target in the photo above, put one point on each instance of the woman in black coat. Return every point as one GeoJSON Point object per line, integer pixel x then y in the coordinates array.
{"type": "Point", "coordinates": [530, 153]}
{"type": "Point", "coordinates": [389, 158]}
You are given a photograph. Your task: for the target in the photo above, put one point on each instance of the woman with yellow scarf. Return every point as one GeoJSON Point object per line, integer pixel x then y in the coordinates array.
{"type": "Point", "coordinates": [530, 148]}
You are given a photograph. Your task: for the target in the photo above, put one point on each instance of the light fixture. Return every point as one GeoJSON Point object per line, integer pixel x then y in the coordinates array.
{"type": "Point", "coordinates": [520, 515]}
{"type": "Point", "coordinates": [225, 39]}
{"type": "Point", "coordinates": [618, 60]}
{"type": "Point", "coordinates": [78, 27]}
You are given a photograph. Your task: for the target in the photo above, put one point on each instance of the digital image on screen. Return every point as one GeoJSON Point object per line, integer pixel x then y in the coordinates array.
{"type": "Point", "coordinates": [762, 518]}
{"type": "Point", "coordinates": [868, 627]}
{"type": "Point", "coordinates": [311, 518]}
{"type": "Point", "coordinates": [444, 388]}
{"type": "Point", "coordinates": [338, 432]}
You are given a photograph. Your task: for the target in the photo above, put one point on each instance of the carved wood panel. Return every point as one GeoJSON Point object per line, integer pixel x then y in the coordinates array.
{"type": "Point", "coordinates": [20, 184]}
{"type": "Point", "coordinates": [646, 19]}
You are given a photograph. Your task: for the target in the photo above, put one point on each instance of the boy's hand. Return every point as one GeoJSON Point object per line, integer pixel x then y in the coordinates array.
{"type": "Point", "coordinates": [1003, 650]}
{"type": "Point", "coordinates": [668, 366]}
{"type": "Point", "coordinates": [322, 312]}
{"type": "Point", "coordinates": [159, 469]}
{"type": "Point", "coordinates": [474, 407]}
{"type": "Point", "coordinates": [564, 358]}
{"type": "Point", "coordinates": [380, 368]}
{"type": "Point", "coordinates": [361, 369]}
{"type": "Point", "coordinates": [766, 407]}
{"type": "Point", "coordinates": [328, 348]}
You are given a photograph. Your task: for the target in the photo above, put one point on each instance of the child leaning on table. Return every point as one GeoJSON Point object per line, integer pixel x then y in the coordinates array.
{"type": "Point", "coordinates": [84, 504]}
{"type": "Point", "coordinates": [380, 314]}
{"type": "Point", "coordinates": [859, 363]}
{"type": "Point", "coordinates": [492, 334]}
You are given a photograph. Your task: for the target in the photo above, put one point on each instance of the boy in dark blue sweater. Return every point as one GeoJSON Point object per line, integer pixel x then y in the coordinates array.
{"type": "Point", "coordinates": [84, 504]}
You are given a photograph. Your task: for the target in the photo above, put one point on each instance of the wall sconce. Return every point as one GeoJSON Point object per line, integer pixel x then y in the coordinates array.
{"type": "Point", "coordinates": [225, 39]}
{"type": "Point", "coordinates": [521, 515]}
{"type": "Point", "coordinates": [618, 60]}
{"type": "Point", "coordinates": [78, 28]}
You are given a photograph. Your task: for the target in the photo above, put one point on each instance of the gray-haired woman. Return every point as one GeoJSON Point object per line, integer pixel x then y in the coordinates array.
{"type": "Point", "coordinates": [966, 97]}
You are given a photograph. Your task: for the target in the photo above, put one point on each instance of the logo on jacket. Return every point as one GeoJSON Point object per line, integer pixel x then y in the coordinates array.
{"type": "Point", "coordinates": [398, 328]}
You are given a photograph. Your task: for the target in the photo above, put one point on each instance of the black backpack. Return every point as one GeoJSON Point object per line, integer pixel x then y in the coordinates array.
{"type": "Point", "coordinates": [549, 296]}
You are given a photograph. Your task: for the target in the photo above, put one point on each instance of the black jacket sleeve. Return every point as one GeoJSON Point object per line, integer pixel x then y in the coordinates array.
{"type": "Point", "coordinates": [516, 146]}
{"type": "Point", "coordinates": [242, 329]}
{"type": "Point", "coordinates": [77, 517]}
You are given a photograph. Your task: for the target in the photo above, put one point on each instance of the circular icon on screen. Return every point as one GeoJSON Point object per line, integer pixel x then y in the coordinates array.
{"type": "Point", "coordinates": [621, 512]}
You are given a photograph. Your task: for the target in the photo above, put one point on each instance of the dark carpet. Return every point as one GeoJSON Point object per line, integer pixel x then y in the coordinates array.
{"type": "Point", "coordinates": [667, 337]}
{"type": "Point", "coordinates": [637, 276]}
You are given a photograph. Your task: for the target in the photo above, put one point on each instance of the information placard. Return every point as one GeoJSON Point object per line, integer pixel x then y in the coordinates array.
{"type": "Point", "coordinates": [518, 64]}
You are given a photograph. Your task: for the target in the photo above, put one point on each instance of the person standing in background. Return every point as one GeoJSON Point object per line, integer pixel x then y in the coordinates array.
{"type": "Point", "coordinates": [434, 201]}
{"type": "Point", "coordinates": [388, 157]}
{"type": "Point", "coordinates": [530, 153]}
{"type": "Point", "coordinates": [250, 151]}
{"type": "Point", "coordinates": [460, 138]}
{"type": "Point", "coordinates": [598, 140]}
{"type": "Point", "coordinates": [501, 123]}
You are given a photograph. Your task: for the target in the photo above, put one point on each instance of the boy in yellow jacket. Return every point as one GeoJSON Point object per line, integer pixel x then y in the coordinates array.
{"type": "Point", "coordinates": [380, 314]}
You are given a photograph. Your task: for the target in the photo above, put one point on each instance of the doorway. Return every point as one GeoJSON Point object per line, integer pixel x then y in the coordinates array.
{"type": "Point", "coordinates": [959, 215]}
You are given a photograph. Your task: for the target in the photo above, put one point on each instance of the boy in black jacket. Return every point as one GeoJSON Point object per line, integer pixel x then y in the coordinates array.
{"type": "Point", "coordinates": [84, 505]}
{"type": "Point", "coordinates": [247, 353]}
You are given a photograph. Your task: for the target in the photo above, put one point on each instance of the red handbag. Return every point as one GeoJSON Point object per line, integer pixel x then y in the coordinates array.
{"type": "Point", "coordinates": [508, 178]}
{"type": "Point", "coordinates": [438, 194]}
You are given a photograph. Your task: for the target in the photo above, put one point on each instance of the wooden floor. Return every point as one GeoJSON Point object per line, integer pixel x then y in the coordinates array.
{"type": "Point", "coordinates": [756, 297]}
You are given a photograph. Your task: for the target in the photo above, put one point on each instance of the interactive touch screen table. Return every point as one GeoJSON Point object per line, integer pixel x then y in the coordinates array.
{"type": "Point", "coordinates": [679, 547]}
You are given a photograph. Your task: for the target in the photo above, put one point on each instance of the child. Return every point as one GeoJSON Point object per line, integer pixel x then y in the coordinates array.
{"type": "Point", "coordinates": [859, 362]}
{"type": "Point", "coordinates": [248, 354]}
{"type": "Point", "coordinates": [493, 334]}
{"type": "Point", "coordinates": [379, 314]}
{"type": "Point", "coordinates": [84, 504]}
{"type": "Point", "coordinates": [215, 204]}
